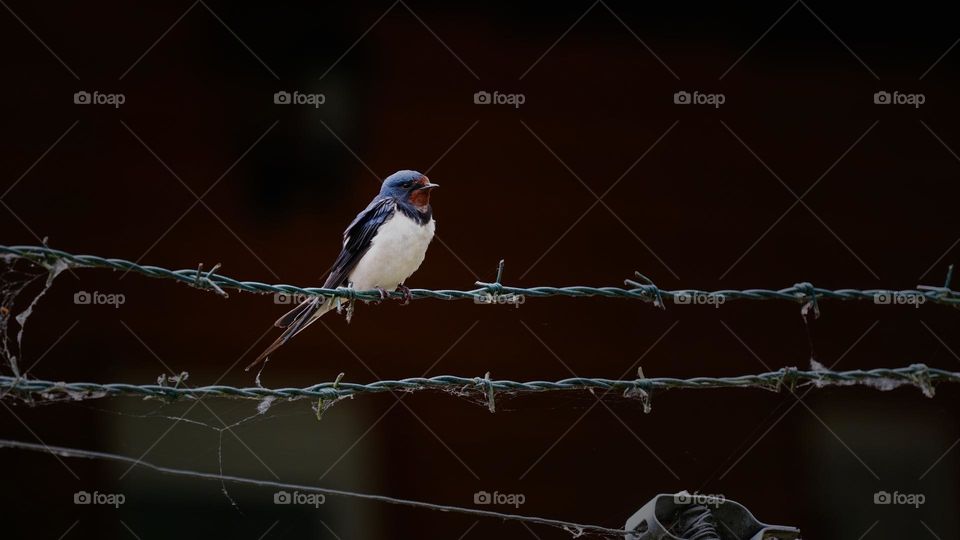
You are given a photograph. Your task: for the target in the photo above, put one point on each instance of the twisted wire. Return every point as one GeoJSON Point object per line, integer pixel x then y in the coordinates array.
{"type": "Point", "coordinates": [487, 292]}
{"type": "Point", "coordinates": [917, 375]}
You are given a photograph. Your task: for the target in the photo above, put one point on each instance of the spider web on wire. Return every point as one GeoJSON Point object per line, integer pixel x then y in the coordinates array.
{"type": "Point", "coordinates": [16, 276]}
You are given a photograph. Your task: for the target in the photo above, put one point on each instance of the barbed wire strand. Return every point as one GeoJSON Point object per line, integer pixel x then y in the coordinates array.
{"type": "Point", "coordinates": [576, 529]}
{"type": "Point", "coordinates": [646, 290]}
{"type": "Point", "coordinates": [918, 375]}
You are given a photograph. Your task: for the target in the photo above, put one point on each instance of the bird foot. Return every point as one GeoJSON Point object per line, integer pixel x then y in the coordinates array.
{"type": "Point", "coordinates": [383, 293]}
{"type": "Point", "coordinates": [407, 295]}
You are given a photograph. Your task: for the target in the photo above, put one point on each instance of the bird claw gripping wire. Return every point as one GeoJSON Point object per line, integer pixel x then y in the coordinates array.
{"type": "Point", "coordinates": [407, 295]}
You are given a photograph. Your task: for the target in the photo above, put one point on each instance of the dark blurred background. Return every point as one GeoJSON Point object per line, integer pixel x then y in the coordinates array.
{"type": "Point", "coordinates": [712, 204]}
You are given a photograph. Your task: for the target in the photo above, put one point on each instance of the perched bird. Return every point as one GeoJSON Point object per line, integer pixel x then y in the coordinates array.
{"type": "Point", "coordinates": [382, 247]}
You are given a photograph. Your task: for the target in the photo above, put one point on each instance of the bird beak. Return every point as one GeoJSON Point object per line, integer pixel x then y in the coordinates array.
{"type": "Point", "coordinates": [428, 186]}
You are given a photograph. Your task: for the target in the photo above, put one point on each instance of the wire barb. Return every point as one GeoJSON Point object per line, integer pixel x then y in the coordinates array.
{"type": "Point", "coordinates": [807, 294]}
{"type": "Point", "coordinates": [491, 404]}
{"type": "Point", "coordinates": [651, 287]}
{"type": "Point", "coordinates": [941, 292]}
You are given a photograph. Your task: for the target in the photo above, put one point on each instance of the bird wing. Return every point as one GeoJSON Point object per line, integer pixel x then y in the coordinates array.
{"type": "Point", "coordinates": [357, 238]}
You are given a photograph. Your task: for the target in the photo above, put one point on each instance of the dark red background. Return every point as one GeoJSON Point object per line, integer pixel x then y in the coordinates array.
{"type": "Point", "coordinates": [201, 99]}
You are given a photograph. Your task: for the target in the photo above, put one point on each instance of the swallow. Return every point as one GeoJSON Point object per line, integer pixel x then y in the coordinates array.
{"type": "Point", "coordinates": [382, 247]}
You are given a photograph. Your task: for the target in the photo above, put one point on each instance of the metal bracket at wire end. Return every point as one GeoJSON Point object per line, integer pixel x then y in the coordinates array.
{"type": "Point", "coordinates": [707, 517]}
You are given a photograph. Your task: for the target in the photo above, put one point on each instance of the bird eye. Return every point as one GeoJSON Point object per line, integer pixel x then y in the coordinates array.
{"type": "Point", "coordinates": [406, 185]}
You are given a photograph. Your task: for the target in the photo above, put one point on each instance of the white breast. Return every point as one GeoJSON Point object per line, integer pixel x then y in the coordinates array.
{"type": "Point", "coordinates": [395, 253]}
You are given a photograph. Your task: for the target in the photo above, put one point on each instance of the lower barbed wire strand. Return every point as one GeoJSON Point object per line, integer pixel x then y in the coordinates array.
{"type": "Point", "coordinates": [575, 528]}
{"type": "Point", "coordinates": [882, 378]}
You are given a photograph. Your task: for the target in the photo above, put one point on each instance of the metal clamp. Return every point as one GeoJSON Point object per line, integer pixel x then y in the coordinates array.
{"type": "Point", "coordinates": [679, 516]}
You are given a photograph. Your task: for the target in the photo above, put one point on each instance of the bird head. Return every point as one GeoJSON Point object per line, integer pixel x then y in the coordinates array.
{"type": "Point", "coordinates": [409, 186]}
